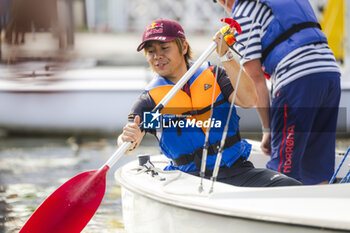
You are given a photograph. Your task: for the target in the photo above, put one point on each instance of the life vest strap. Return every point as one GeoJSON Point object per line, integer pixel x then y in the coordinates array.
{"type": "Point", "coordinates": [213, 149]}
{"type": "Point", "coordinates": [285, 35]}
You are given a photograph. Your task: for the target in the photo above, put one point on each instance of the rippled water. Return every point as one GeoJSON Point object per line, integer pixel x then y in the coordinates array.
{"type": "Point", "coordinates": [32, 168]}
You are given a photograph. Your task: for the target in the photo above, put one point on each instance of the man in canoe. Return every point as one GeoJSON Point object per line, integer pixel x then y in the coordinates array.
{"type": "Point", "coordinates": [187, 115]}
{"type": "Point", "coordinates": [287, 41]}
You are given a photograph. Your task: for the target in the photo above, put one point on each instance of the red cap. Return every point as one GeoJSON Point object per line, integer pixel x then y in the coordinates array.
{"type": "Point", "coordinates": [165, 30]}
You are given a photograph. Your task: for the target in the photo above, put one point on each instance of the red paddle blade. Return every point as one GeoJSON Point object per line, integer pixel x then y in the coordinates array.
{"type": "Point", "coordinates": [71, 206]}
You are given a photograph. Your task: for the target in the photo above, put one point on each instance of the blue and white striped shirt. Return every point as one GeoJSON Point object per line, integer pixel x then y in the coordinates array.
{"type": "Point", "coordinates": [308, 59]}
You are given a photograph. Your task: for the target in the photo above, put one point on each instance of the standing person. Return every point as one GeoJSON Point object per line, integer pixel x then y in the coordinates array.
{"type": "Point", "coordinates": [285, 39]}
{"type": "Point", "coordinates": [168, 54]}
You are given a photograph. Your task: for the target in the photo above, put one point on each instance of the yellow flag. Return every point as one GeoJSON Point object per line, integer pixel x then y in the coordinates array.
{"type": "Point", "coordinates": [333, 25]}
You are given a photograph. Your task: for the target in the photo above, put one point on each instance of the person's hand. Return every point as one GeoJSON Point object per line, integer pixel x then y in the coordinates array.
{"type": "Point", "coordinates": [266, 143]}
{"type": "Point", "coordinates": [221, 43]}
{"type": "Point", "coordinates": [132, 133]}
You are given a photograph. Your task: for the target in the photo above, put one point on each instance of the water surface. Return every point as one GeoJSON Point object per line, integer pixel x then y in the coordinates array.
{"type": "Point", "coordinates": [32, 168]}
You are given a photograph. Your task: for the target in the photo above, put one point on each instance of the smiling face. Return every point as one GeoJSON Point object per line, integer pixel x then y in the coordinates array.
{"type": "Point", "coordinates": [166, 60]}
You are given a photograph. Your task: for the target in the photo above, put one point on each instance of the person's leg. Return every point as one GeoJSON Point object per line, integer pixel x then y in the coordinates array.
{"type": "Point", "coordinates": [289, 131]}
{"type": "Point", "coordinates": [296, 150]}
{"type": "Point", "coordinates": [318, 161]}
{"type": "Point", "coordinates": [260, 177]}
{"type": "Point", "coordinates": [319, 158]}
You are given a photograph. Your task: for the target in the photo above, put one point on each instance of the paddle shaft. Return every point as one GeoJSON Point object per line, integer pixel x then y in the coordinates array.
{"type": "Point", "coordinates": [73, 204]}
{"type": "Point", "coordinates": [123, 148]}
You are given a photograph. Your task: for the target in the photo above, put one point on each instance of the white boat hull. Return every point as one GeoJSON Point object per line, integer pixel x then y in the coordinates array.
{"type": "Point", "coordinates": [143, 214]}
{"type": "Point", "coordinates": [90, 100]}
{"type": "Point", "coordinates": [93, 100]}
{"type": "Point", "coordinates": [150, 204]}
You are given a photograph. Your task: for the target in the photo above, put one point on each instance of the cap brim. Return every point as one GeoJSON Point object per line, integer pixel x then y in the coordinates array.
{"type": "Point", "coordinates": [156, 38]}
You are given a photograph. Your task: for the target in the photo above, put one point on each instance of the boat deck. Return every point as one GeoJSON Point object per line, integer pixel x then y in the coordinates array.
{"type": "Point", "coordinates": [310, 207]}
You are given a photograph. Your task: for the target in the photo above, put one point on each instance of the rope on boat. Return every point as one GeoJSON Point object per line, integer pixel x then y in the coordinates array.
{"type": "Point", "coordinates": [346, 178]}
{"type": "Point", "coordinates": [155, 172]}
{"type": "Point", "coordinates": [340, 165]}
{"type": "Point", "coordinates": [205, 146]}
{"type": "Point", "coordinates": [222, 143]}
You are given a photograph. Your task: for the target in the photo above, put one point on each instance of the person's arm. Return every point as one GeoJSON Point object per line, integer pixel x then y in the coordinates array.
{"type": "Point", "coordinates": [131, 131]}
{"type": "Point", "coordinates": [246, 96]}
{"type": "Point", "coordinates": [253, 68]}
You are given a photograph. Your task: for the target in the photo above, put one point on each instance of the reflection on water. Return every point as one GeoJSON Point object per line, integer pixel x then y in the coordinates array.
{"type": "Point", "coordinates": [32, 168]}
